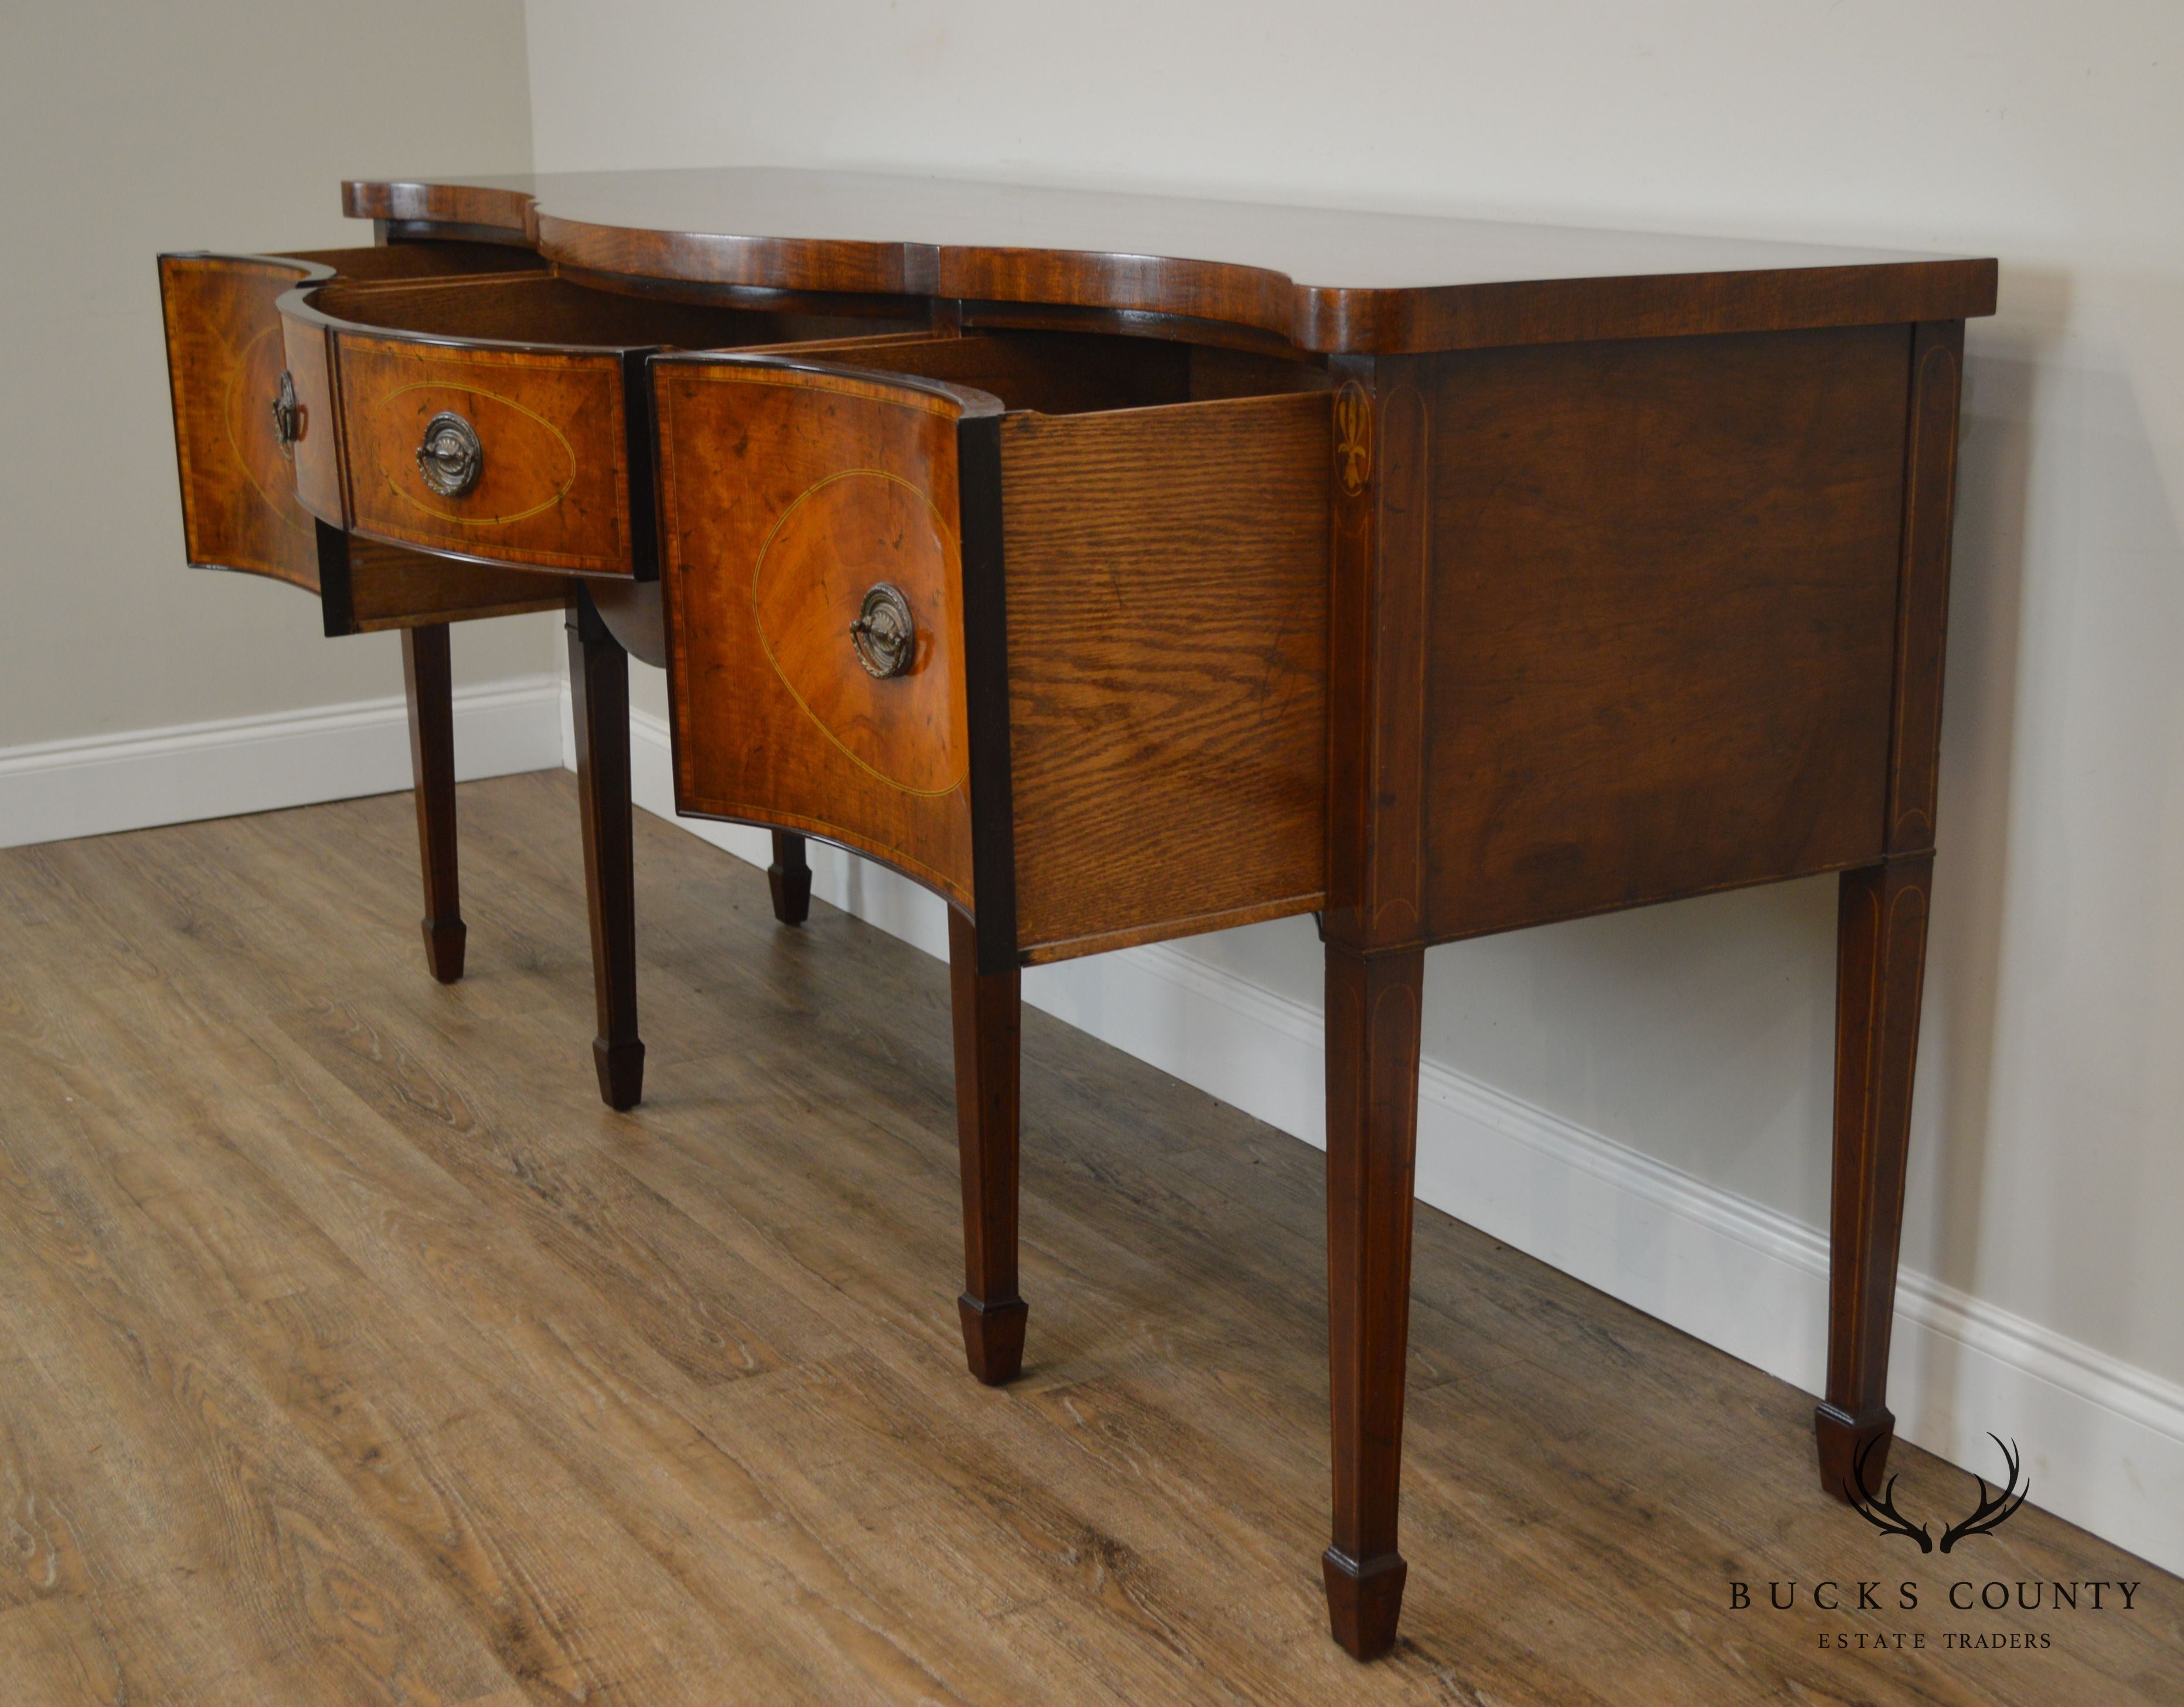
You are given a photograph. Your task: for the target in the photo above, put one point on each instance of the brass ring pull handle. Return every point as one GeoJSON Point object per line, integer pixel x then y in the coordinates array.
{"type": "Point", "coordinates": [451, 458]}
{"type": "Point", "coordinates": [288, 416]}
{"type": "Point", "coordinates": [885, 637]}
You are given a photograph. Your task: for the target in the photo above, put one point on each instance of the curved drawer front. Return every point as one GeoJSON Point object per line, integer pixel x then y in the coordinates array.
{"type": "Point", "coordinates": [248, 448]}
{"type": "Point", "coordinates": [788, 497]}
{"type": "Point", "coordinates": [225, 358]}
{"type": "Point", "coordinates": [536, 472]}
{"type": "Point", "coordinates": [1152, 700]}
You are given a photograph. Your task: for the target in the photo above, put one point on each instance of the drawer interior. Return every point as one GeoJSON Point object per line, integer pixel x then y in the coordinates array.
{"type": "Point", "coordinates": [1059, 373]}
{"type": "Point", "coordinates": [542, 308]}
{"type": "Point", "coordinates": [420, 260]}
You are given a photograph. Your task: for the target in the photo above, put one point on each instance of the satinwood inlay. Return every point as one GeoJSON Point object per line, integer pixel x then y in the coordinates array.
{"type": "Point", "coordinates": [822, 556]}
{"type": "Point", "coordinates": [1353, 437]}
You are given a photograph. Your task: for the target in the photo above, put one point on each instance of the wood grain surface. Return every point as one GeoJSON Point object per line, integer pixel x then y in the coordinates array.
{"type": "Point", "coordinates": [225, 358]}
{"type": "Point", "coordinates": [1663, 627]}
{"type": "Point", "coordinates": [1930, 488]}
{"type": "Point", "coordinates": [1326, 278]}
{"type": "Point", "coordinates": [1167, 587]}
{"type": "Point", "coordinates": [543, 308]}
{"type": "Point", "coordinates": [428, 682]}
{"type": "Point", "coordinates": [391, 586]}
{"type": "Point", "coordinates": [786, 495]}
{"type": "Point", "coordinates": [555, 493]}
{"type": "Point", "coordinates": [322, 474]}
{"type": "Point", "coordinates": [598, 696]}
{"type": "Point", "coordinates": [351, 1353]}
{"type": "Point", "coordinates": [225, 354]}
{"type": "Point", "coordinates": [1166, 570]}
{"type": "Point", "coordinates": [536, 366]}
{"type": "Point", "coordinates": [1881, 957]}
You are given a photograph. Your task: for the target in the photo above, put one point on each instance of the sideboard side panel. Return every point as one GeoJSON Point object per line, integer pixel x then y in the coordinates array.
{"type": "Point", "coordinates": [1663, 620]}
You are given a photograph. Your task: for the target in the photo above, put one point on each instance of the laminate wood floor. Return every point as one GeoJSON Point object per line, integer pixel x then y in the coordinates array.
{"type": "Point", "coordinates": [351, 1352]}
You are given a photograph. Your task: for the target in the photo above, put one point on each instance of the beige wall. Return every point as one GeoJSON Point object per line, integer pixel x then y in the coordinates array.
{"type": "Point", "coordinates": [2049, 1170]}
{"type": "Point", "coordinates": [129, 129]}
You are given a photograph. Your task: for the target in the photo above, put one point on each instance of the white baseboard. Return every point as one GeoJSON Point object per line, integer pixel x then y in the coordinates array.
{"type": "Point", "coordinates": [58, 789]}
{"type": "Point", "coordinates": [2103, 1440]}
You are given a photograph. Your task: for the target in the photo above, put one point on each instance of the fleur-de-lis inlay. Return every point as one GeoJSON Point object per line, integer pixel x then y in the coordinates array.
{"type": "Point", "coordinates": [1353, 437]}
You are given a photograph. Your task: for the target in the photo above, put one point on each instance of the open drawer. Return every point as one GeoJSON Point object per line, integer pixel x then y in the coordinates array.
{"type": "Point", "coordinates": [1038, 619]}
{"type": "Point", "coordinates": [233, 438]}
{"type": "Point", "coordinates": [498, 419]}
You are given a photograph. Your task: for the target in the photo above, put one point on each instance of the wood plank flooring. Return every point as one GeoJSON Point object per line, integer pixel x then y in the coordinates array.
{"type": "Point", "coordinates": [351, 1352]}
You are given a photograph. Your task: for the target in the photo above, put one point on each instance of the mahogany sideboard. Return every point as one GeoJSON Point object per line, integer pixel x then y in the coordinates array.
{"type": "Point", "coordinates": [1124, 567]}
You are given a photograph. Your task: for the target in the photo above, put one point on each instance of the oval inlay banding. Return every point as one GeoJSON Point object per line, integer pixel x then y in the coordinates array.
{"type": "Point", "coordinates": [529, 467]}
{"type": "Point", "coordinates": [821, 557]}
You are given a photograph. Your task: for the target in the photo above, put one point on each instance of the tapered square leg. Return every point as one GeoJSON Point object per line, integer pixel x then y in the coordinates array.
{"type": "Point", "coordinates": [1364, 1603]}
{"type": "Point", "coordinates": [1853, 1446]}
{"type": "Point", "coordinates": [1373, 1011]}
{"type": "Point", "coordinates": [429, 685]}
{"type": "Point", "coordinates": [988, 1051]}
{"type": "Point", "coordinates": [1880, 934]}
{"type": "Point", "coordinates": [598, 683]}
{"type": "Point", "coordinates": [790, 877]}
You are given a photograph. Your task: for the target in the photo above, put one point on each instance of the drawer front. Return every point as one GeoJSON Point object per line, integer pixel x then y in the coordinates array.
{"type": "Point", "coordinates": [248, 497]}
{"type": "Point", "coordinates": [547, 431]}
{"type": "Point", "coordinates": [1164, 571]}
{"type": "Point", "coordinates": [786, 496]}
{"type": "Point", "coordinates": [225, 359]}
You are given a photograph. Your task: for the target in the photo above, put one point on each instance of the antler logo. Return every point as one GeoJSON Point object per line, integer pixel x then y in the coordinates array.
{"type": "Point", "coordinates": [1879, 1509]}
{"type": "Point", "coordinates": [1353, 437]}
{"type": "Point", "coordinates": [1995, 1508]}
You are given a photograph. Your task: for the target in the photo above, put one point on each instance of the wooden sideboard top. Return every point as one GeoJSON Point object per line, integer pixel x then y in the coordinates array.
{"type": "Point", "coordinates": [1322, 278]}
